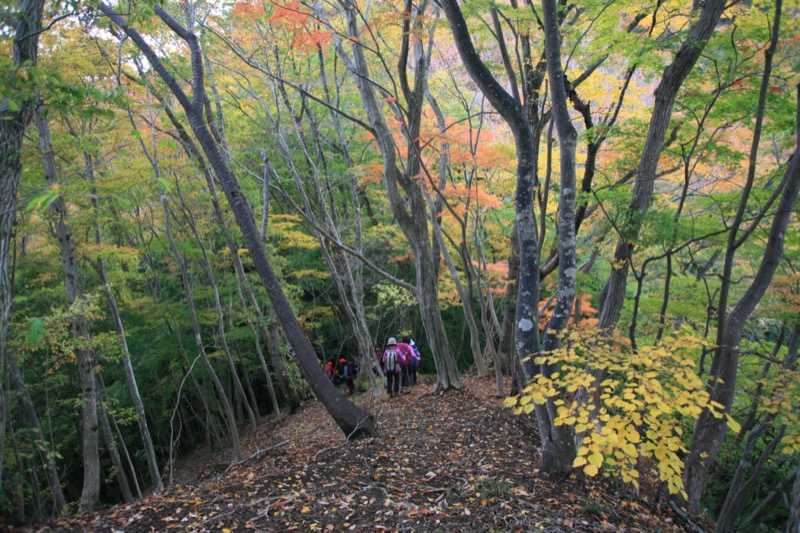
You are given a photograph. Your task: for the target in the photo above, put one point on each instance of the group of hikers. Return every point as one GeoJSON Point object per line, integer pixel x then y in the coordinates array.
{"type": "Point", "coordinates": [398, 362]}
{"type": "Point", "coordinates": [343, 370]}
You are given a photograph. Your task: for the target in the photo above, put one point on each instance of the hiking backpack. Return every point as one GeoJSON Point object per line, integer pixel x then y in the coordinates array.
{"type": "Point", "coordinates": [390, 361]}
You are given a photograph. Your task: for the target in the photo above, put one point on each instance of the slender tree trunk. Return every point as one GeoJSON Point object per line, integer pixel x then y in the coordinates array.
{"type": "Point", "coordinates": [223, 342]}
{"type": "Point", "coordinates": [16, 381]}
{"type": "Point", "coordinates": [111, 446]}
{"type": "Point", "coordinates": [124, 449]}
{"type": "Point", "coordinates": [413, 219]}
{"type": "Point", "coordinates": [130, 378]}
{"type": "Point", "coordinates": [84, 354]}
{"type": "Point", "coordinates": [277, 360]}
{"type": "Point", "coordinates": [793, 523]}
{"type": "Point", "coordinates": [740, 487]}
{"type": "Point", "coordinates": [127, 365]}
{"type": "Point", "coordinates": [434, 210]}
{"type": "Point", "coordinates": [768, 504]}
{"type": "Point", "coordinates": [13, 122]}
{"type": "Point", "coordinates": [230, 417]}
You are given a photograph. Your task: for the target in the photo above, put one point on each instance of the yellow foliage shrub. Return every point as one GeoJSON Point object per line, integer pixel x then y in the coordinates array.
{"type": "Point", "coordinates": [628, 405]}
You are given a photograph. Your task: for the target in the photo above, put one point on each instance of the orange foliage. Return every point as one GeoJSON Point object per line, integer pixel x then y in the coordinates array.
{"type": "Point", "coordinates": [399, 258]}
{"type": "Point", "coordinates": [289, 16]}
{"type": "Point", "coordinates": [582, 305]}
{"type": "Point", "coordinates": [371, 173]}
{"type": "Point", "coordinates": [310, 40]}
{"type": "Point", "coordinates": [247, 11]}
{"type": "Point", "coordinates": [476, 195]}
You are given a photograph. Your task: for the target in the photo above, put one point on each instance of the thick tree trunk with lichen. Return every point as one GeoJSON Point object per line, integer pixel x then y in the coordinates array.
{"type": "Point", "coordinates": [557, 446]}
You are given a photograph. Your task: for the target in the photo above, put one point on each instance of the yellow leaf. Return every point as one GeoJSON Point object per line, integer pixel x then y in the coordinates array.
{"type": "Point", "coordinates": [590, 470]}
{"type": "Point", "coordinates": [528, 408]}
{"type": "Point", "coordinates": [630, 449]}
{"type": "Point", "coordinates": [596, 459]}
{"type": "Point", "coordinates": [733, 425]}
{"type": "Point", "coordinates": [511, 401]}
{"type": "Point", "coordinates": [578, 462]}
{"type": "Point", "coordinates": [305, 510]}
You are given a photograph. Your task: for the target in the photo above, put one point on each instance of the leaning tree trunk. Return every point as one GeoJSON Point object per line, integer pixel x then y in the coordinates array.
{"type": "Point", "coordinates": [223, 341]}
{"type": "Point", "coordinates": [671, 81]}
{"type": "Point", "coordinates": [230, 417]}
{"type": "Point", "coordinates": [709, 431]}
{"type": "Point", "coordinates": [242, 284]}
{"type": "Point", "coordinates": [113, 452]}
{"type": "Point", "coordinates": [353, 420]}
{"type": "Point", "coordinates": [84, 354]}
{"type": "Point", "coordinates": [793, 522]}
{"type": "Point", "coordinates": [14, 119]}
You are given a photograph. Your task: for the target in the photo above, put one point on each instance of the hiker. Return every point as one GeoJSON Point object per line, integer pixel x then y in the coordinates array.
{"type": "Point", "coordinates": [412, 369]}
{"type": "Point", "coordinates": [348, 374]}
{"type": "Point", "coordinates": [330, 371]}
{"type": "Point", "coordinates": [390, 362]}
{"type": "Point", "coordinates": [406, 356]}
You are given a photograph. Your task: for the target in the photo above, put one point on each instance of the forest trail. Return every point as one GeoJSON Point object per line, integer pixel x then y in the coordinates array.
{"type": "Point", "coordinates": [455, 462]}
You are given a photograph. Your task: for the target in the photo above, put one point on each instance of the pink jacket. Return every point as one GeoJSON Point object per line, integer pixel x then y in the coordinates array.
{"type": "Point", "coordinates": [404, 353]}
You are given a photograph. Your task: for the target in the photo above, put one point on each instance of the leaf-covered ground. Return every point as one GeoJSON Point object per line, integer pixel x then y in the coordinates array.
{"type": "Point", "coordinates": [451, 463]}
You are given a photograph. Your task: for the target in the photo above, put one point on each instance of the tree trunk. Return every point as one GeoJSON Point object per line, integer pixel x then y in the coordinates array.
{"type": "Point", "coordinates": [434, 213]}
{"type": "Point", "coordinates": [558, 449]}
{"type": "Point", "coordinates": [671, 81]}
{"type": "Point", "coordinates": [13, 122]}
{"type": "Point", "coordinates": [352, 419]}
{"type": "Point", "coordinates": [84, 354]}
{"type": "Point", "coordinates": [223, 342]}
{"type": "Point", "coordinates": [740, 487]}
{"type": "Point", "coordinates": [709, 431]}
{"type": "Point", "coordinates": [111, 446]}
{"type": "Point", "coordinates": [230, 417]}
{"type": "Point", "coordinates": [130, 378]}
{"type": "Point", "coordinates": [16, 381]}
{"type": "Point", "coordinates": [242, 284]}
{"type": "Point", "coordinates": [559, 441]}
{"type": "Point", "coordinates": [793, 523]}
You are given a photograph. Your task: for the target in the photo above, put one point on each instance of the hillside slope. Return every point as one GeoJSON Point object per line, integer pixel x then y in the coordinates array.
{"type": "Point", "coordinates": [453, 462]}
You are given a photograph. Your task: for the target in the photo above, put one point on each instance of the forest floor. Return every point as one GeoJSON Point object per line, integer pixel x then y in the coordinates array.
{"type": "Point", "coordinates": [456, 462]}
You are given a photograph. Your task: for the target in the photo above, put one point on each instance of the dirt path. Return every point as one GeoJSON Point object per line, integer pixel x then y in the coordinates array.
{"type": "Point", "coordinates": [450, 463]}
